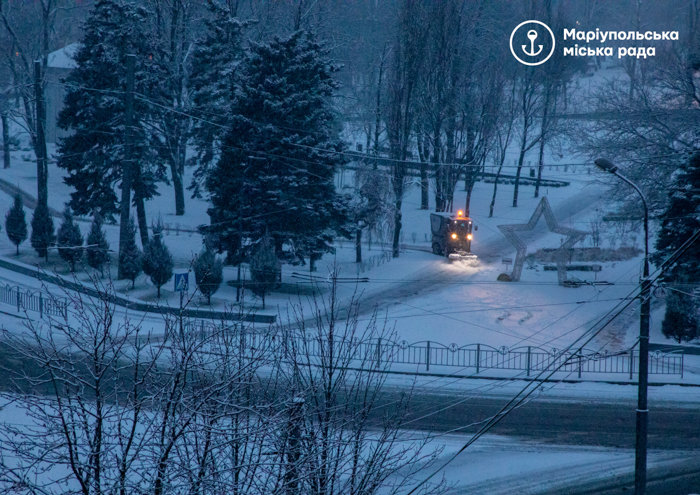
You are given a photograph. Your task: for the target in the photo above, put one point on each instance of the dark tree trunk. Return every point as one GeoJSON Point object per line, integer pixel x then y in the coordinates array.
{"type": "Point", "coordinates": [179, 189]}
{"type": "Point", "coordinates": [424, 187]}
{"type": "Point", "coordinates": [141, 217]}
{"type": "Point", "coordinates": [358, 246]}
{"type": "Point", "coordinates": [397, 228]}
{"type": "Point", "coordinates": [127, 165]}
{"type": "Point", "coordinates": [543, 130]}
{"type": "Point", "coordinates": [469, 199]}
{"type": "Point", "coordinates": [521, 159]}
{"type": "Point", "coordinates": [495, 189]}
{"type": "Point", "coordinates": [239, 286]}
{"type": "Point", "coordinates": [5, 140]}
{"type": "Point", "coordinates": [41, 153]}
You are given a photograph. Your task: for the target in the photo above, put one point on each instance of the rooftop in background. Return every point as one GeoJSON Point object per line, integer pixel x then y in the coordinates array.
{"type": "Point", "coordinates": [64, 58]}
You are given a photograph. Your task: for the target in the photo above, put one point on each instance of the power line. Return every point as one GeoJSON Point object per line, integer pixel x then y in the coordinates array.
{"type": "Point", "coordinates": [505, 410]}
{"type": "Point", "coordinates": [350, 154]}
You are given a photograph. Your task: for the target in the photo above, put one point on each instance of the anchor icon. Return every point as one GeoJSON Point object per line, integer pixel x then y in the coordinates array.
{"type": "Point", "coordinates": [532, 54]}
{"type": "Point", "coordinates": [532, 36]}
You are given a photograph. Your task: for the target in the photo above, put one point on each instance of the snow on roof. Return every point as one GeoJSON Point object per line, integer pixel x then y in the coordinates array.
{"type": "Point", "coordinates": [64, 58]}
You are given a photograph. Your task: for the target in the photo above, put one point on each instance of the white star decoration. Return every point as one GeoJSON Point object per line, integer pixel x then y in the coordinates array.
{"type": "Point", "coordinates": [572, 237]}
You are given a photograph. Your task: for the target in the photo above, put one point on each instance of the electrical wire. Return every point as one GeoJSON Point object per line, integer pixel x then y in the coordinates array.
{"type": "Point", "coordinates": [506, 409]}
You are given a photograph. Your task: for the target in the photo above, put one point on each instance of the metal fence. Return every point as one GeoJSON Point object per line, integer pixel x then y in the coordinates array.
{"type": "Point", "coordinates": [28, 300]}
{"type": "Point", "coordinates": [480, 357]}
{"type": "Point", "coordinates": [376, 353]}
{"type": "Point", "coordinates": [426, 355]}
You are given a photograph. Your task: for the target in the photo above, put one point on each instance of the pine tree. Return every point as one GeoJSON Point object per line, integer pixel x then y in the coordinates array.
{"type": "Point", "coordinates": [43, 236]}
{"type": "Point", "coordinates": [69, 240]}
{"type": "Point", "coordinates": [264, 268]}
{"type": "Point", "coordinates": [94, 152]}
{"type": "Point", "coordinates": [131, 257]}
{"type": "Point", "coordinates": [16, 224]}
{"type": "Point", "coordinates": [679, 222]}
{"type": "Point", "coordinates": [97, 250]}
{"type": "Point", "coordinates": [157, 261]}
{"type": "Point", "coordinates": [208, 273]}
{"type": "Point", "coordinates": [681, 321]}
{"type": "Point", "coordinates": [212, 81]}
{"type": "Point", "coordinates": [278, 161]}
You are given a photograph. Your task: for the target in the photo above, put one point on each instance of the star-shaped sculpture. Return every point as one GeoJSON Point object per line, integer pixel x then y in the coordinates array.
{"type": "Point", "coordinates": [572, 237]}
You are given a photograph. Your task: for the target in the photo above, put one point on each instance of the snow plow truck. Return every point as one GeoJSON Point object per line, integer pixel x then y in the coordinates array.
{"type": "Point", "coordinates": [452, 235]}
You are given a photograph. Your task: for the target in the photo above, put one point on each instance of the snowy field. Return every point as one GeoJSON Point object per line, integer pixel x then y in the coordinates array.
{"type": "Point", "coordinates": [421, 296]}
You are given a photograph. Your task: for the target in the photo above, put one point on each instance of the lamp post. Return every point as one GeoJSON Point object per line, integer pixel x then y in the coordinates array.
{"type": "Point", "coordinates": [640, 461]}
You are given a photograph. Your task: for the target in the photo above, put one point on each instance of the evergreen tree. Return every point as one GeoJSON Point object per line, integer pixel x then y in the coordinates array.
{"type": "Point", "coordinates": [680, 221]}
{"type": "Point", "coordinates": [43, 236]}
{"type": "Point", "coordinates": [208, 273]}
{"type": "Point", "coordinates": [264, 268]}
{"type": "Point", "coordinates": [212, 81]}
{"type": "Point", "coordinates": [97, 250]}
{"type": "Point", "coordinates": [131, 257]}
{"type": "Point", "coordinates": [681, 321]}
{"type": "Point", "coordinates": [16, 224]}
{"type": "Point", "coordinates": [157, 261]}
{"type": "Point", "coordinates": [278, 161]}
{"type": "Point", "coordinates": [70, 240]}
{"type": "Point", "coordinates": [94, 152]}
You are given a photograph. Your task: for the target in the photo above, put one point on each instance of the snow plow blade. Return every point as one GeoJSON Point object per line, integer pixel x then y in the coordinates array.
{"type": "Point", "coordinates": [462, 256]}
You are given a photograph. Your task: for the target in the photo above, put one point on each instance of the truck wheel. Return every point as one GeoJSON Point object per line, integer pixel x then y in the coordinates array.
{"type": "Point", "coordinates": [436, 249]}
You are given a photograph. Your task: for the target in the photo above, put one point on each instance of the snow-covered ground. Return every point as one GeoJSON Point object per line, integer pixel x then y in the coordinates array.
{"type": "Point", "coordinates": [493, 465]}
{"type": "Point", "coordinates": [421, 295]}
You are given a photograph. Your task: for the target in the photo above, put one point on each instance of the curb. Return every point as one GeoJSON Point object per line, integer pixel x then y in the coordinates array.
{"type": "Point", "coordinates": [137, 306]}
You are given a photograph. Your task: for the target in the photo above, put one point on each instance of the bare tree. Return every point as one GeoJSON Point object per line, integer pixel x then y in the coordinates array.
{"type": "Point", "coordinates": [507, 118]}
{"type": "Point", "coordinates": [174, 33]}
{"type": "Point", "coordinates": [114, 408]}
{"type": "Point", "coordinates": [334, 440]}
{"type": "Point", "coordinates": [529, 101]}
{"type": "Point", "coordinates": [650, 134]}
{"type": "Point", "coordinates": [402, 82]}
{"type": "Point", "coordinates": [81, 385]}
{"type": "Point", "coordinates": [30, 30]}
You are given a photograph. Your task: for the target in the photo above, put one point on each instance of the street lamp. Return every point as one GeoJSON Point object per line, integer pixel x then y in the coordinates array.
{"type": "Point", "coordinates": [640, 461]}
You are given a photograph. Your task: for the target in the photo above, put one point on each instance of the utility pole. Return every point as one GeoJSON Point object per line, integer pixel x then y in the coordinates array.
{"type": "Point", "coordinates": [127, 165]}
{"type": "Point", "coordinates": [642, 417]}
{"type": "Point", "coordinates": [41, 154]}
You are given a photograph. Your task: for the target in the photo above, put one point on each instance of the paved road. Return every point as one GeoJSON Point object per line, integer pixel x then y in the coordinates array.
{"type": "Point", "coordinates": [671, 429]}
{"type": "Point", "coordinates": [565, 422]}
{"type": "Point", "coordinates": [436, 278]}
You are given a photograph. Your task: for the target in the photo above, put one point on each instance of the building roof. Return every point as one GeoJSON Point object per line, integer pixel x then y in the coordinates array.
{"type": "Point", "coordinates": [63, 58]}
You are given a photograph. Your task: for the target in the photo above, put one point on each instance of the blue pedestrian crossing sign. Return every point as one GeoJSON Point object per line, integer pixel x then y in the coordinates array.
{"type": "Point", "coordinates": [181, 282]}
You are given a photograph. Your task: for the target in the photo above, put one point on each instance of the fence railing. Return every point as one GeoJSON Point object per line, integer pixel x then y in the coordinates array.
{"type": "Point", "coordinates": [378, 353]}
{"type": "Point", "coordinates": [530, 359]}
{"type": "Point", "coordinates": [480, 357]}
{"type": "Point", "coordinates": [27, 300]}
